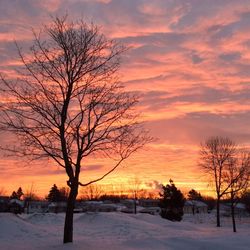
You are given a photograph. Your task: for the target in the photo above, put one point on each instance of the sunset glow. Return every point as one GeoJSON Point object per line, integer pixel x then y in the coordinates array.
{"type": "Point", "coordinates": [189, 60]}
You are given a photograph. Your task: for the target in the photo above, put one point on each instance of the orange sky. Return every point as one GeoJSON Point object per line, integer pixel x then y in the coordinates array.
{"type": "Point", "coordinates": [189, 59]}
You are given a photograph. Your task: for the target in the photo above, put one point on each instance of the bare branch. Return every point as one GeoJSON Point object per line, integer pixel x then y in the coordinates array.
{"type": "Point", "coordinates": [67, 103]}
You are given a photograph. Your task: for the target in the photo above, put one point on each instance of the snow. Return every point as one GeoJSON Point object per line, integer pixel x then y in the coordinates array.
{"type": "Point", "coordinates": [122, 232]}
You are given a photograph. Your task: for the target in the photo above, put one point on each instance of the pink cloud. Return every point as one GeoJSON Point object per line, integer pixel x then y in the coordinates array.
{"type": "Point", "coordinates": [189, 59]}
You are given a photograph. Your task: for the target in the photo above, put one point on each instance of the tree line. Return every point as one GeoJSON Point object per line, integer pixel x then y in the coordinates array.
{"type": "Point", "coordinates": [171, 199]}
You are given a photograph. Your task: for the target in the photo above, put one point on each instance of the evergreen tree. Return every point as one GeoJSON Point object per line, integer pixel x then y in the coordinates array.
{"type": "Point", "coordinates": [13, 195]}
{"type": "Point", "coordinates": [172, 202]}
{"type": "Point", "coordinates": [194, 195]}
{"type": "Point", "coordinates": [17, 194]}
{"type": "Point", "coordinates": [54, 194]}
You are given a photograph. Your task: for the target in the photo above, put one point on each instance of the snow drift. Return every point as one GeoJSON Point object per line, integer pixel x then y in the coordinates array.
{"type": "Point", "coordinates": [118, 231]}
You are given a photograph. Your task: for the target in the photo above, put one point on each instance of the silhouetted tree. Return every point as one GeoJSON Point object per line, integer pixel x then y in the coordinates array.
{"type": "Point", "coordinates": [194, 195]}
{"type": "Point", "coordinates": [91, 192]}
{"type": "Point", "coordinates": [17, 194]}
{"type": "Point", "coordinates": [13, 195]}
{"type": "Point", "coordinates": [172, 202]}
{"type": "Point", "coordinates": [214, 156]}
{"type": "Point", "coordinates": [237, 173]}
{"type": "Point", "coordinates": [135, 189]}
{"type": "Point", "coordinates": [29, 196]}
{"type": "Point", "coordinates": [64, 192]}
{"type": "Point", "coordinates": [68, 104]}
{"type": "Point", "coordinates": [54, 194]}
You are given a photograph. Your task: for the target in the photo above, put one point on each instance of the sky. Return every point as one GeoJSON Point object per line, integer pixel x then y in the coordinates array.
{"type": "Point", "coordinates": [189, 60]}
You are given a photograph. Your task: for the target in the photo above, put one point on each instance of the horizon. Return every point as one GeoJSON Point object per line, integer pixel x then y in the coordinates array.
{"type": "Point", "coordinates": [98, 190]}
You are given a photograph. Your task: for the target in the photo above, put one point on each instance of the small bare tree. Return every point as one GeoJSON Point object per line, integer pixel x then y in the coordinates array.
{"type": "Point", "coordinates": [29, 195]}
{"type": "Point", "coordinates": [237, 174]}
{"type": "Point", "coordinates": [215, 154]}
{"type": "Point", "coordinates": [67, 104]}
{"type": "Point", "coordinates": [135, 189]}
{"type": "Point", "coordinates": [91, 192]}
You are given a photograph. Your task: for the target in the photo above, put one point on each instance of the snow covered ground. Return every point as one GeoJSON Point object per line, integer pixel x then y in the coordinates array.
{"type": "Point", "coordinates": [111, 231]}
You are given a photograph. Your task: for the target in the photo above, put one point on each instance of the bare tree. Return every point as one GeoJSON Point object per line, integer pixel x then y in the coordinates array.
{"type": "Point", "coordinates": [215, 154]}
{"type": "Point", "coordinates": [68, 104]}
{"type": "Point", "coordinates": [237, 174]}
{"type": "Point", "coordinates": [64, 191]}
{"type": "Point", "coordinates": [91, 192]}
{"type": "Point", "coordinates": [29, 195]}
{"type": "Point", "coordinates": [135, 189]}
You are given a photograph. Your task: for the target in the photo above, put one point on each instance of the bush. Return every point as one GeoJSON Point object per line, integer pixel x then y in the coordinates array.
{"type": "Point", "coordinates": [171, 215]}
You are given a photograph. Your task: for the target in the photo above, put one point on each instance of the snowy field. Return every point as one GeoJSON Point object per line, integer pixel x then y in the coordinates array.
{"type": "Point", "coordinates": [111, 231]}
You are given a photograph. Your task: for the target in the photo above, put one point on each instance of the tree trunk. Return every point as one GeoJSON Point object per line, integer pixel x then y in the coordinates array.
{"type": "Point", "coordinates": [135, 210]}
{"type": "Point", "coordinates": [68, 225]}
{"type": "Point", "coordinates": [28, 206]}
{"type": "Point", "coordinates": [233, 217]}
{"type": "Point", "coordinates": [218, 212]}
